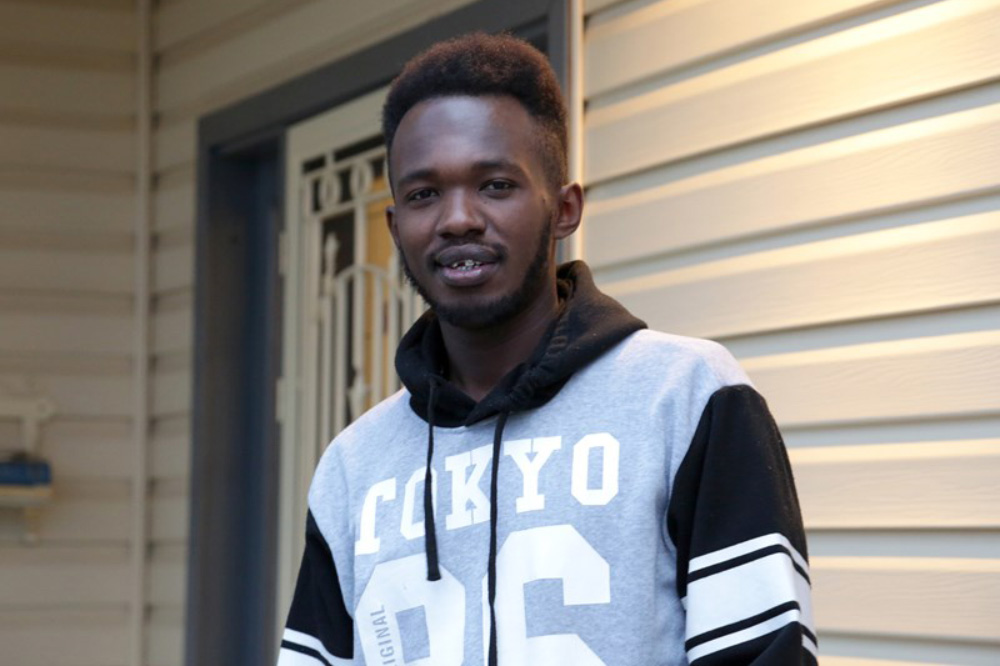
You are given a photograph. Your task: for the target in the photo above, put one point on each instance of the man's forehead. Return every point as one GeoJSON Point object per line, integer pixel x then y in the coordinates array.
{"type": "Point", "coordinates": [502, 114]}
{"type": "Point", "coordinates": [489, 131]}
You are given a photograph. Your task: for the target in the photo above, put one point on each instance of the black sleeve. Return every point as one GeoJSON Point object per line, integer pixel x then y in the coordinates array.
{"type": "Point", "coordinates": [319, 631]}
{"type": "Point", "coordinates": [742, 568]}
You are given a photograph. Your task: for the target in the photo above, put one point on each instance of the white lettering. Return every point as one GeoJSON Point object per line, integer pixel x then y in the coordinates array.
{"type": "Point", "coordinates": [465, 488]}
{"type": "Point", "coordinates": [554, 552]}
{"type": "Point", "coordinates": [542, 448]}
{"type": "Point", "coordinates": [401, 585]}
{"type": "Point", "coordinates": [367, 542]}
{"type": "Point", "coordinates": [582, 491]}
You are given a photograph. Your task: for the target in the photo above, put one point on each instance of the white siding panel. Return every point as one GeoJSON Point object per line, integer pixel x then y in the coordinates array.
{"type": "Point", "coordinates": [57, 332]}
{"type": "Point", "coordinates": [76, 149]}
{"type": "Point", "coordinates": [89, 457]}
{"type": "Point", "coordinates": [927, 51]}
{"type": "Point", "coordinates": [170, 456]}
{"type": "Point", "coordinates": [112, 272]}
{"type": "Point", "coordinates": [74, 519]}
{"type": "Point", "coordinates": [67, 209]}
{"type": "Point", "coordinates": [59, 576]}
{"type": "Point", "coordinates": [941, 157]}
{"type": "Point", "coordinates": [907, 379]}
{"type": "Point", "coordinates": [166, 637]}
{"type": "Point", "coordinates": [915, 542]}
{"type": "Point", "coordinates": [171, 392]}
{"type": "Point", "coordinates": [87, 93]}
{"type": "Point", "coordinates": [173, 268]}
{"type": "Point", "coordinates": [85, 637]}
{"type": "Point", "coordinates": [667, 35]}
{"type": "Point", "coordinates": [63, 25]}
{"type": "Point", "coordinates": [288, 45]}
{"type": "Point", "coordinates": [167, 571]}
{"type": "Point", "coordinates": [172, 330]}
{"type": "Point", "coordinates": [176, 144]}
{"type": "Point", "coordinates": [184, 20]}
{"type": "Point", "coordinates": [867, 648]}
{"type": "Point", "coordinates": [174, 206]}
{"type": "Point", "coordinates": [169, 519]}
{"type": "Point", "coordinates": [926, 485]}
{"type": "Point", "coordinates": [916, 597]}
{"type": "Point", "coordinates": [892, 271]}
{"type": "Point", "coordinates": [78, 396]}
{"type": "Point", "coordinates": [592, 6]}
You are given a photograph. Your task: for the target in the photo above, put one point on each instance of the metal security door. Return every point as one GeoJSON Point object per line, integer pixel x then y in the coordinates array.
{"type": "Point", "coordinates": [346, 303]}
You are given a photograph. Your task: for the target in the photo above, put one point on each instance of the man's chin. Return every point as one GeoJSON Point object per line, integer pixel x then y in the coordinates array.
{"type": "Point", "coordinates": [474, 316]}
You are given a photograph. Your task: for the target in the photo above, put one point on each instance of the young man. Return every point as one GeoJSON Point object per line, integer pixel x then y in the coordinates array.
{"type": "Point", "coordinates": [555, 485]}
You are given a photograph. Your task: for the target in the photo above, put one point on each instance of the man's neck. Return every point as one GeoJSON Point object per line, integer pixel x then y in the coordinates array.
{"type": "Point", "coordinates": [480, 358]}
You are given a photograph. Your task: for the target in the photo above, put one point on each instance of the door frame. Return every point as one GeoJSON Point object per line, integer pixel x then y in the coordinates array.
{"type": "Point", "coordinates": [232, 561]}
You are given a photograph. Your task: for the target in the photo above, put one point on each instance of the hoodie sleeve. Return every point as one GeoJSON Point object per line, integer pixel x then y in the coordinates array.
{"type": "Point", "coordinates": [742, 570]}
{"type": "Point", "coordinates": [319, 631]}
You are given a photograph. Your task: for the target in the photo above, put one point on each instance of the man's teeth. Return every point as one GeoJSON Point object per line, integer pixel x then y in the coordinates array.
{"type": "Point", "coordinates": [465, 264]}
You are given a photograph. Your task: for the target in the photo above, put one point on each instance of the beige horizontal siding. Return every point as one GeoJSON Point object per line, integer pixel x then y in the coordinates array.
{"type": "Point", "coordinates": [72, 211]}
{"type": "Point", "coordinates": [85, 636]}
{"type": "Point", "coordinates": [816, 186]}
{"type": "Point", "coordinates": [67, 203]}
{"type": "Point", "coordinates": [929, 50]}
{"type": "Point", "coordinates": [897, 486]}
{"type": "Point", "coordinates": [68, 25]}
{"type": "Point", "coordinates": [247, 57]}
{"type": "Point", "coordinates": [865, 174]}
{"type": "Point", "coordinates": [84, 92]}
{"type": "Point", "coordinates": [659, 37]}
{"type": "Point", "coordinates": [893, 271]}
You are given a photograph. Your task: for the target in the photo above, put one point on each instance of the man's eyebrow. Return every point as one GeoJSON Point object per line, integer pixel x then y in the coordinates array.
{"type": "Point", "coordinates": [478, 166]}
{"type": "Point", "coordinates": [417, 174]}
{"type": "Point", "coordinates": [491, 165]}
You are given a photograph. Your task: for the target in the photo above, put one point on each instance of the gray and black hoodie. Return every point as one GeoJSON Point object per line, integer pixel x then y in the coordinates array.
{"type": "Point", "coordinates": [623, 497]}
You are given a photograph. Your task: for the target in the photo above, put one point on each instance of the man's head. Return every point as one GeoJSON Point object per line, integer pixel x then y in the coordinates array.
{"type": "Point", "coordinates": [477, 167]}
{"type": "Point", "coordinates": [486, 65]}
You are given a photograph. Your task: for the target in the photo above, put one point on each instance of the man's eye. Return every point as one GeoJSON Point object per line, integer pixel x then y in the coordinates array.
{"type": "Point", "coordinates": [420, 195]}
{"type": "Point", "coordinates": [498, 186]}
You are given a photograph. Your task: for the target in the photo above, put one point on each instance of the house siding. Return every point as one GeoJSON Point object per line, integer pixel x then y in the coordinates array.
{"type": "Point", "coordinates": [67, 324]}
{"type": "Point", "coordinates": [817, 186]}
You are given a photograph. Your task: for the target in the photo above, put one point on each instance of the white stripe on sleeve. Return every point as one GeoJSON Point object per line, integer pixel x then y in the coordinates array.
{"type": "Point", "coordinates": [744, 591]}
{"type": "Point", "coordinates": [305, 640]}
{"type": "Point", "coordinates": [743, 635]}
{"type": "Point", "coordinates": [745, 547]}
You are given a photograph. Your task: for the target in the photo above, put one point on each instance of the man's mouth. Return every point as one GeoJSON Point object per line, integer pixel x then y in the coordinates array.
{"type": "Point", "coordinates": [466, 265]}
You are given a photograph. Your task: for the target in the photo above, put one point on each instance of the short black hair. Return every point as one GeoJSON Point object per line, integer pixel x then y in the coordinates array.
{"type": "Point", "coordinates": [479, 64]}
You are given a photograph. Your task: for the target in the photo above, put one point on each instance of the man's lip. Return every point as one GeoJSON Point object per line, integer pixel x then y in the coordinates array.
{"type": "Point", "coordinates": [458, 253]}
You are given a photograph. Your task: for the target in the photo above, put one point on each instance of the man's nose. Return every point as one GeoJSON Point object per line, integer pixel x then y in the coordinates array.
{"type": "Point", "coordinates": [459, 215]}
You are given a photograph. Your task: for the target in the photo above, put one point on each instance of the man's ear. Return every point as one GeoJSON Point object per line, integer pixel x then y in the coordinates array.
{"type": "Point", "coordinates": [570, 211]}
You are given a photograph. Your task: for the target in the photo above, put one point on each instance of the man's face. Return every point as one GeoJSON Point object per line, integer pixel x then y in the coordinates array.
{"type": "Point", "coordinates": [474, 214]}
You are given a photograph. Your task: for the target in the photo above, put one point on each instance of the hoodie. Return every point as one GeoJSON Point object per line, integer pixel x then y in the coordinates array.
{"type": "Point", "coordinates": [622, 497]}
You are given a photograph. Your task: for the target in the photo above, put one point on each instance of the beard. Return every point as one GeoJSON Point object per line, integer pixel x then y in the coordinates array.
{"type": "Point", "coordinates": [492, 313]}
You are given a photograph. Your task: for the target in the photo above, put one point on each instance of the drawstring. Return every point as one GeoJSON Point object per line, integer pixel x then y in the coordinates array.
{"type": "Point", "coordinates": [492, 574]}
{"type": "Point", "coordinates": [430, 534]}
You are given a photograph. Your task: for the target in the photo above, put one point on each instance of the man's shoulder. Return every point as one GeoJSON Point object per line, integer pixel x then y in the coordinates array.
{"type": "Point", "coordinates": [666, 354]}
{"type": "Point", "coordinates": [387, 416]}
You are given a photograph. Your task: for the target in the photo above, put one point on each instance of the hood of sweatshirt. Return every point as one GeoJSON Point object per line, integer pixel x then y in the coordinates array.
{"type": "Point", "coordinates": [588, 324]}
